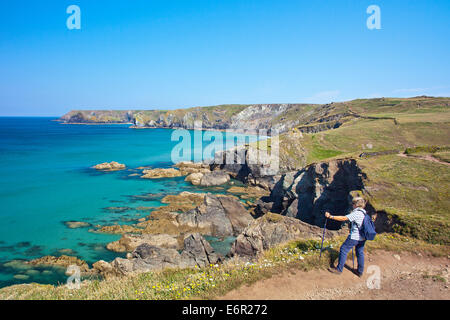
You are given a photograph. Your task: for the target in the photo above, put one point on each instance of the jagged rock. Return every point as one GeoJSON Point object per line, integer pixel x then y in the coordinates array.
{"type": "Point", "coordinates": [196, 252]}
{"type": "Point", "coordinates": [129, 242]}
{"type": "Point", "coordinates": [262, 207]}
{"type": "Point", "coordinates": [247, 164]}
{"type": "Point", "coordinates": [320, 187]}
{"type": "Point", "coordinates": [222, 215]}
{"type": "Point", "coordinates": [274, 229]}
{"type": "Point", "coordinates": [111, 166]}
{"type": "Point", "coordinates": [76, 224]}
{"type": "Point", "coordinates": [161, 173]}
{"type": "Point", "coordinates": [62, 261]}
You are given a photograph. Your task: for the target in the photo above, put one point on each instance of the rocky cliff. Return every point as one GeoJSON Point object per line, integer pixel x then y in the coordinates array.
{"type": "Point", "coordinates": [281, 117]}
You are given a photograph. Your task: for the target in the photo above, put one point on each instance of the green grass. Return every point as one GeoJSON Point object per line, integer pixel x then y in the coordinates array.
{"type": "Point", "coordinates": [442, 156]}
{"type": "Point", "coordinates": [414, 192]}
{"type": "Point", "coordinates": [426, 149]}
{"type": "Point", "coordinates": [318, 152]}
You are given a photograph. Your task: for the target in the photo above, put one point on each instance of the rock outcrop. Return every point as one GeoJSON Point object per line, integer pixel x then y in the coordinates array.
{"type": "Point", "coordinates": [271, 230]}
{"type": "Point", "coordinates": [161, 173]}
{"type": "Point", "coordinates": [129, 242]}
{"type": "Point", "coordinates": [221, 216]}
{"type": "Point", "coordinates": [249, 165]}
{"type": "Point", "coordinates": [62, 261]}
{"type": "Point", "coordinates": [308, 193]}
{"type": "Point", "coordinates": [111, 166]}
{"type": "Point", "coordinates": [195, 178]}
{"type": "Point", "coordinates": [196, 252]}
{"type": "Point", "coordinates": [208, 179]}
{"type": "Point", "coordinates": [188, 167]}
{"type": "Point", "coordinates": [281, 117]}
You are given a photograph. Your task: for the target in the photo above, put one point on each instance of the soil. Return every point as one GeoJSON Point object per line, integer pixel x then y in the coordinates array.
{"type": "Point", "coordinates": [425, 157]}
{"type": "Point", "coordinates": [404, 276]}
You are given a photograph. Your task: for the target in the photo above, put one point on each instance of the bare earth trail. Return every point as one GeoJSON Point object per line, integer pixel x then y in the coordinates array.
{"type": "Point", "coordinates": [403, 276]}
{"type": "Point", "coordinates": [426, 157]}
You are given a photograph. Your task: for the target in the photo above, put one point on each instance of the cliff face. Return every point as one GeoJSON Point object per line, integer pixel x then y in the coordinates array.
{"type": "Point", "coordinates": [98, 116]}
{"type": "Point", "coordinates": [281, 117]}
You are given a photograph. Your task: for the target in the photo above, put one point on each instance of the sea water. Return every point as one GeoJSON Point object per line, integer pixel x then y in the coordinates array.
{"type": "Point", "coordinates": [46, 178]}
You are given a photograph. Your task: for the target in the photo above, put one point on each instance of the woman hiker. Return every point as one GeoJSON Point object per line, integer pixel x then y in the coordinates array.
{"type": "Point", "coordinates": [354, 239]}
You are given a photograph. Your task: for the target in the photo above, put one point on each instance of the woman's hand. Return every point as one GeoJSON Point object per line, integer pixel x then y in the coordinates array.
{"type": "Point", "coordinates": [327, 214]}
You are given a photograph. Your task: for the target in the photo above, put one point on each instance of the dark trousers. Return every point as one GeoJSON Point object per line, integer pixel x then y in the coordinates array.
{"type": "Point", "coordinates": [346, 247]}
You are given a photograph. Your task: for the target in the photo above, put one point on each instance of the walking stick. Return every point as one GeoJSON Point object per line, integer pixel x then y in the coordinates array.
{"type": "Point", "coordinates": [353, 258]}
{"type": "Point", "coordinates": [323, 237]}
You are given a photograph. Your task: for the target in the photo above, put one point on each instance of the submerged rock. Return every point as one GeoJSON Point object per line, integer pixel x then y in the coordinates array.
{"type": "Point", "coordinates": [21, 277]}
{"type": "Point", "coordinates": [67, 251]}
{"type": "Point", "coordinates": [117, 209]}
{"type": "Point", "coordinates": [17, 265]}
{"type": "Point", "coordinates": [111, 166]}
{"type": "Point", "coordinates": [76, 224]}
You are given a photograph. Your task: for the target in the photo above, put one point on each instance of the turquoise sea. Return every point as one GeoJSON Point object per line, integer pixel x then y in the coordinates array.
{"type": "Point", "coordinates": [46, 178]}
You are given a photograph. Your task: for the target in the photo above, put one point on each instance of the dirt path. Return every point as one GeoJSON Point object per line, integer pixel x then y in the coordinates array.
{"type": "Point", "coordinates": [426, 157]}
{"type": "Point", "coordinates": [403, 276]}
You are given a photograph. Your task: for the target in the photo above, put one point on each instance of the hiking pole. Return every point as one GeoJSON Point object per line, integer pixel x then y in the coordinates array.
{"type": "Point", "coordinates": [323, 237]}
{"type": "Point", "coordinates": [353, 258]}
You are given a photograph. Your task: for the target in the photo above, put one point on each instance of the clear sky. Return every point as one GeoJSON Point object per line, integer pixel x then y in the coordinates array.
{"type": "Point", "coordinates": [165, 54]}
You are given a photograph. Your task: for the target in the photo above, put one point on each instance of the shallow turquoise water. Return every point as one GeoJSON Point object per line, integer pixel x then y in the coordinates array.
{"type": "Point", "coordinates": [46, 179]}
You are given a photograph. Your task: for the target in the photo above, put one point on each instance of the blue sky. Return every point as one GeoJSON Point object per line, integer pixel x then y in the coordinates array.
{"type": "Point", "coordinates": [166, 54]}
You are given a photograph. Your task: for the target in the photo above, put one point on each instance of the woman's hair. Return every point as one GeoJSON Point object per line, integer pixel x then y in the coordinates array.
{"type": "Point", "coordinates": [359, 202]}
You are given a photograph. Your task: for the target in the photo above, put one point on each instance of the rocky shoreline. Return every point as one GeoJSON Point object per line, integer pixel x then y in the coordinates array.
{"type": "Point", "coordinates": [267, 211]}
{"type": "Point", "coordinates": [273, 206]}
{"type": "Point", "coordinates": [281, 117]}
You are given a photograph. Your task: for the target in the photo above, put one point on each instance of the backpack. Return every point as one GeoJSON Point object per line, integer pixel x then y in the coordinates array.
{"type": "Point", "coordinates": [367, 229]}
